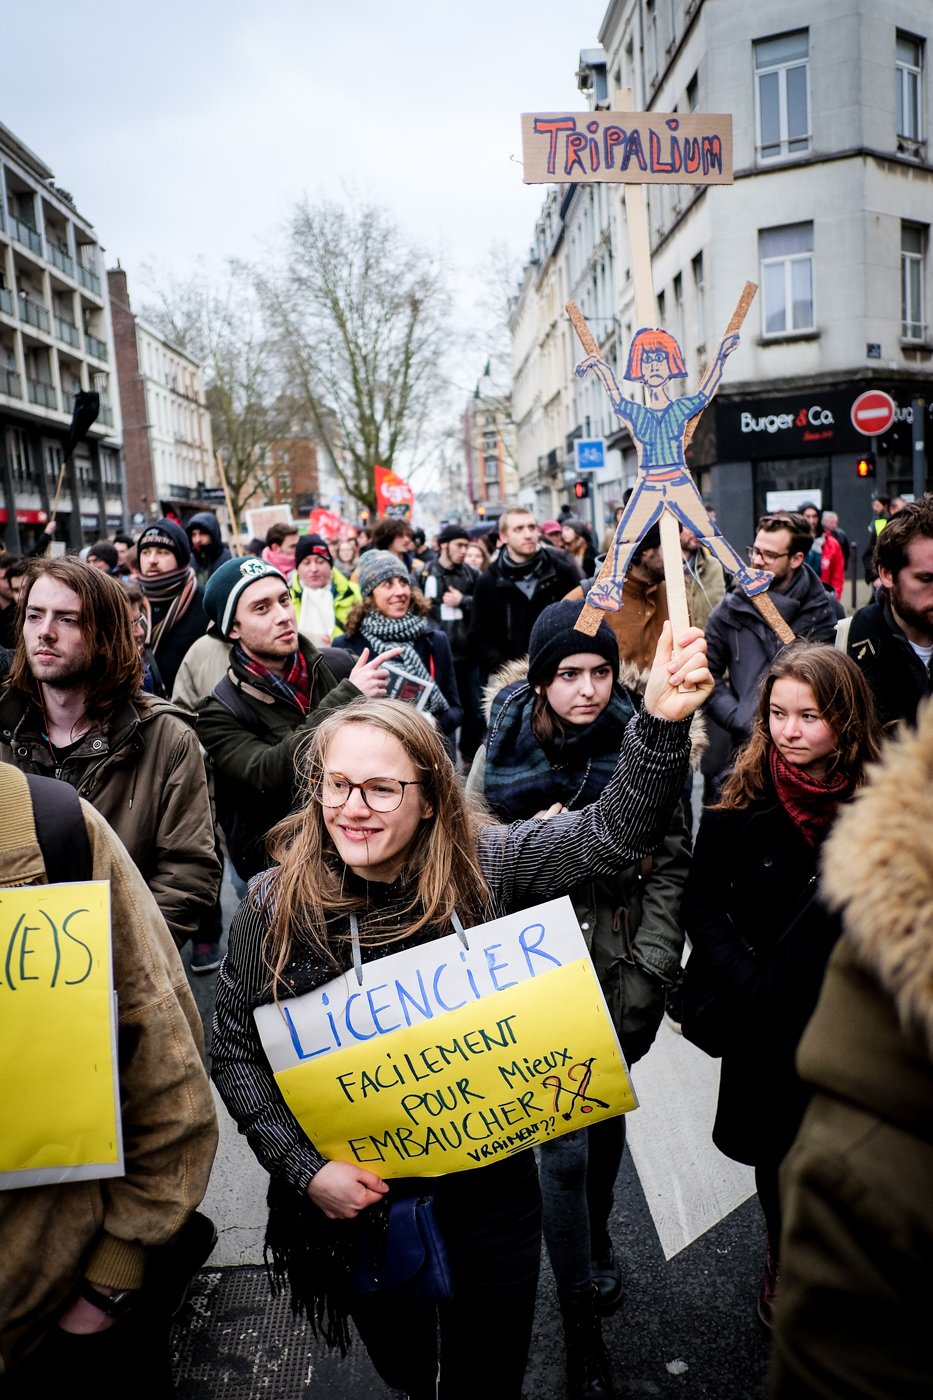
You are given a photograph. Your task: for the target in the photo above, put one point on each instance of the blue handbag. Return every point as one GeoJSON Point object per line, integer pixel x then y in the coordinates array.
{"type": "Point", "coordinates": [400, 1249]}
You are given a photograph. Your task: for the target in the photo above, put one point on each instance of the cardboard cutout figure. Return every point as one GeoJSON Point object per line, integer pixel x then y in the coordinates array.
{"type": "Point", "coordinates": [664, 481]}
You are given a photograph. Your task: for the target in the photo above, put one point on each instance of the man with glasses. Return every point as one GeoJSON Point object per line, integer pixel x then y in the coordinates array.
{"type": "Point", "coordinates": [741, 644]}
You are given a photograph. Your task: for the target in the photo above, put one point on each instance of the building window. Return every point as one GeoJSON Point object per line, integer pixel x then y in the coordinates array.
{"type": "Point", "coordinates": [699, 297]}
{"type": "Point", "coordinates": [693, 93]}
{"type": "Point", "coordinates": [83, 471]}
{"type": "Point", "coordinates": [678, 289]}
{"type": "Point", "coordinates": [908, 68]}
{"type": "Point", "coordinates": [17, 451]}
{"type": "Point", "coordinates": [651, 20]}
{"type": "Point", "coordinates": [786, 255]}
{"type": "Point", "coordinates": [54, 455]}
{"type": "Point", "coordinates": [110, 468]}
{"type": "Point", "coordinates": [783, 97]}
{"type": "Point", "coordinates": [491, 470]}
{"type": "Point", "coordinates": [913, 258]}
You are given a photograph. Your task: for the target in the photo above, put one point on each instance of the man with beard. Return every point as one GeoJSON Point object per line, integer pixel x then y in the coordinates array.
{"type": "Point", "coordinates": [74, 709]}
{"type": "Point", "coordinates": [175, 601]}
{"type": "Point", "coordinates": [207, 546]}
{"type": "Point", "coordinates": [892, 638]}
{"type": "Point", "coordinates": [742, 645]}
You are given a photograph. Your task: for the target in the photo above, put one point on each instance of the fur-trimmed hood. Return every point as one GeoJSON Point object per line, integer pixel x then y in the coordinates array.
{"type": "Point", "coordinates": [878, 870]}
{"type": "Point", "coordinates": [632, 677]}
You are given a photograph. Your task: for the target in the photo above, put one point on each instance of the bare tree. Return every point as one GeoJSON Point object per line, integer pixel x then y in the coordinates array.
{"type": "Point", "coordinates": [361, 319]}
{"type": "Point", "coordinates": [222, 326]}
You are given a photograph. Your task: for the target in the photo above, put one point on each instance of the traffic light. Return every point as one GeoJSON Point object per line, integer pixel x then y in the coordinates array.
{"type": "Point", "coordinates": [581, 489]}
{"type": "Point", "coordinates": [865, 466]}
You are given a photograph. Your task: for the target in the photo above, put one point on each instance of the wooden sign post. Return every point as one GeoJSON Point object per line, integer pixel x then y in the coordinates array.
{"type": "Point", "coordinates": [235, 539]}
{"type": "Point", "coordinates": [638, 149]}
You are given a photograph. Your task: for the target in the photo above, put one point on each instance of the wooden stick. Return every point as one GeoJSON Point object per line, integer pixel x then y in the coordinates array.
{"type": "Point", "coordinates": [773, 618]}
{"type": "Point", "coordinates": [581, 328]}
{"type": "Point", "coordinates": [674, 582]}
{"type": "Point", "coordinates": [735, 324]}
{"type": "Point", "coordinates": [590, 617]}
{"type": "Point", "coordinates": [234, 523]}
{"type": "Point", "coordinates": [636, 217]}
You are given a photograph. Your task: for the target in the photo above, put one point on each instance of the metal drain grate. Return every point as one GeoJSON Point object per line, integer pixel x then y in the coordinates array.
{"type": "Point", "coordinates": [235, 1342]}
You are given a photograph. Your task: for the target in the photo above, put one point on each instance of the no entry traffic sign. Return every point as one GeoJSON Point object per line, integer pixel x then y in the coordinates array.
{"type": "Point", "coordinates": [873, 412]}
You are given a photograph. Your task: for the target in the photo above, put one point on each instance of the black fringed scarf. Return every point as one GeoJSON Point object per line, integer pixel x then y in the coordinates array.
{"type": "Point", "coordinates": [523, 776]}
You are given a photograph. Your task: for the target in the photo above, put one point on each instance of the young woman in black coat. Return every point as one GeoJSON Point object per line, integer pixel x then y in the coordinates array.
{"type": "Point", "coordinates": [760, 935]}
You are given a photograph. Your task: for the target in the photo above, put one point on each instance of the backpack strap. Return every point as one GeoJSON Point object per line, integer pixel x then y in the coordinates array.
{"type": "Point", "coordinates": [48, 813]}
{"type": "Point", "coordinates": [231, 699]}
{"type": "Point", "coordinates": [60, 829]}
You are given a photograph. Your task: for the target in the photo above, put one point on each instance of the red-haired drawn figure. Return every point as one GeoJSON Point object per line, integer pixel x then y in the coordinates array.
{"type": "Point", "coordinates": [658, 428]}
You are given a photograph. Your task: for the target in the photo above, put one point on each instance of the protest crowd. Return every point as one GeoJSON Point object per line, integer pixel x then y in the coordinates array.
{"type": "Point", "coordinates": [393, 739]}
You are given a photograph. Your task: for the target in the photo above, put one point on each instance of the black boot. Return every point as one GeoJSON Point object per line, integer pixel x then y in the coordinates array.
{"type": "Point", "coordinates": [588, 1376]}
{"type": "Point", "coordinates": [607, 1275]}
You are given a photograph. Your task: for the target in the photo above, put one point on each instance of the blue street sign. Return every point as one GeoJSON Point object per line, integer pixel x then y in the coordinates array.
{"type": "Point", "coordinates": [590, 453]}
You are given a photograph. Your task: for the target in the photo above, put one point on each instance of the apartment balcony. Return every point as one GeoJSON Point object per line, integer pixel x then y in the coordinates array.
{"type": "Point", "coordinates": [10, 384]}
{"type": "Point", "coordinates": [105, 415]}
{"type": "Point", "coordinates": [68, 332]}
{"type": "Point", "coordinates": [34, 314]}
{"type": "Point", "coordinates": [61, 260]}
{"type": "Point", "coordinates": [44, 394]}
{"type": "Point", "coordinates": [89, 279]}
{"type": "Point", "coordinates": [95, 347]}
{"type": "Point", "coordinates": [6, 302]}
{"type": "Point", "coordinates": [29, 237]}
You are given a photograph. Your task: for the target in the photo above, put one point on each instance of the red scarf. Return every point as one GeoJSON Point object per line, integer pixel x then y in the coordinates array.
{"type": "Point", "coordinates": [810, 803]}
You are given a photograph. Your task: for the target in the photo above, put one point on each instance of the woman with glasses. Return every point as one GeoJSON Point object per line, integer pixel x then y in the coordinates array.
{"type": "Point", "coordinates": [658, 428]}
{"type": "Point", "coordinates": [385, 850]}
{"type": "Point", "coordinates": [760, 935]}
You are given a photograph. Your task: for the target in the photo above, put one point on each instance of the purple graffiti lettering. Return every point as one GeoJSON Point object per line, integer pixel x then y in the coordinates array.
{"type": "Point", "coordinates": [576, 145]}
{"type": "Point", "coordinates": [691, 154]}
{"type": "Point", "coordinates": [553, 126]}
{"type": "Point", "coordinates": [712, 154]}
{"type": "Point", "coordinates": [612, 136]}
{"type": "Point", "coordinates": [634, 151]}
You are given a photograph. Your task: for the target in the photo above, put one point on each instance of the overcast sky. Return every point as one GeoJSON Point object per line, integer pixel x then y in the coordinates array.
{"type": "Point", "coordinates": [186, 128]}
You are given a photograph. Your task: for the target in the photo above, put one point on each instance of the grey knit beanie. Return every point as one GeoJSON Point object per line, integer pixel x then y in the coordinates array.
{"type": "Point", "coordinates": [379, 566]}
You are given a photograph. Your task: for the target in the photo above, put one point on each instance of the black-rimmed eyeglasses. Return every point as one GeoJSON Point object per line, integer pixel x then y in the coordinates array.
{"type": "Point", "coordinates": [753, 553]}
{"type": "Point", "coordinates": [379, 794]}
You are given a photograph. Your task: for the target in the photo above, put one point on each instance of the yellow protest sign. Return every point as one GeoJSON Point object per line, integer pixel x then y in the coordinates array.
{"type": "Point", "coordinates": [423, 1070]}
{"type": "Point", "coordinates": [58, 1097]}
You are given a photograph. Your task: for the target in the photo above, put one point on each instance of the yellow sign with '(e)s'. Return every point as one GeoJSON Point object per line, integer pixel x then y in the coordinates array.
{"type": "Point", "coordinates": [58, 1101]}
{"type": "Point", "coordinates": [506, 1072]}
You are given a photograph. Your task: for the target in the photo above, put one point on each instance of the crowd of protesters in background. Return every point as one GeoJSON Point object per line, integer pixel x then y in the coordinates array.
{"type": "Point", "coordinates": [175, 682]}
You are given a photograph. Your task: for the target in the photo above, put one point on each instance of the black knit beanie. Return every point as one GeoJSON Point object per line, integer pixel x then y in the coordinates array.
{"type": "Point", "coordinates": [166, 534]}
{"type": "Point", "coordinates": [553, 637]}
{"type": "Point", "coordinates": [312, 544]}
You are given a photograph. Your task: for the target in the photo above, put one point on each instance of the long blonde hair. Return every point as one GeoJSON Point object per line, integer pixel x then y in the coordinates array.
{"type": "Point", "coordinates": [307, 889]}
